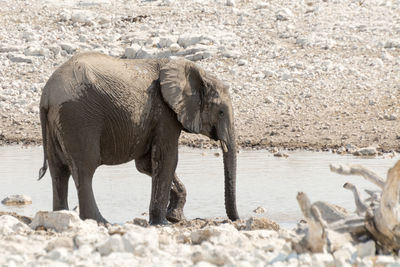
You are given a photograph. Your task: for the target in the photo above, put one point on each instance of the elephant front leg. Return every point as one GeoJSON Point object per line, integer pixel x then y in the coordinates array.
{"type": "Point", "coordinates": [177, 201]}
{"type": "Point", "coordinates": [163, 161]}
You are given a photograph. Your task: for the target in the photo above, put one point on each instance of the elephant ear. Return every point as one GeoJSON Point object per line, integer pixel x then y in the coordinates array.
{"type": "Point", "coordinates": [182, 87]}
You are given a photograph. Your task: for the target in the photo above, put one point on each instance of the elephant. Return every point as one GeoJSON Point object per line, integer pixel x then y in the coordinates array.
{"type": "Point", "coordinates": [101, 110]}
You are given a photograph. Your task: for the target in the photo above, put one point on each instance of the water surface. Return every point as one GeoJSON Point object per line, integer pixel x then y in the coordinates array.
{"type": "Point", "coordinates": [123, 193]}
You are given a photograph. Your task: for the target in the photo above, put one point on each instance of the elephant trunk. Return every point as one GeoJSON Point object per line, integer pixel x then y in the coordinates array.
{"type": "Point", "coordinates": [229, 154]}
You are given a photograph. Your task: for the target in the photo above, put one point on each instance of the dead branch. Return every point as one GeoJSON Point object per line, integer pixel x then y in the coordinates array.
{"type": "Point", "coordinates": [358, 170]}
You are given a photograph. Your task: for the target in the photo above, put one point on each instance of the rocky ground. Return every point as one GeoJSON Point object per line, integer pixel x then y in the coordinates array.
{"type": "Point", "coordinates": [304, 74]}
{"type": "Point", "coordinates": [62, 239]}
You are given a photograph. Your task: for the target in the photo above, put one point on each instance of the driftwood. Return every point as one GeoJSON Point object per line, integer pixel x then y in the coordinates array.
{"type": "Point", "coordinates": [377, 217]}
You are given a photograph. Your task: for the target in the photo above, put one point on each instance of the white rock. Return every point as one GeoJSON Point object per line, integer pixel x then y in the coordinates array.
{"type": "Point", "coordinates": [141, 239]}
{"type": "Point", "coordinates": [17, 200]}
{"type": "Point", "coordinates": [59, 254]}
{"type": "Point", "coordinates": [146, 53]}
{"type": "Point", "coordinates": [121, 259]}
{"type": "Point", "coordinates": [60, 221]}
{"type": "Point", "coordinates": [231, 54]}
{"type": "Point", "coordinates": [55, 49]}
{"type": "Point", "coordinates": [242, 62]}
{"type": "Point", "coordinates": [259, 210]}
{"type": "Point", "coordinates": [113, 244]}
{"type": "Point", "coordinates": [366, 151]}
{"type": "Point", "coordinates": [230, 2]}
{"type": "Point", "coordinates": [165, 42]}
{"type": "Point", "coordinates": [199, 56]}
{"type": "Point", "coordinates": [10, 48]}
{"type": "Point", "coordinates": [322, 259]}
{"type": "Point", "coordinates": [83, 16]}
{"type": "Point", "coordinates": [219, 235]}
{"type": "Point", "coordinates": [383, 260]}
{"type": "Point", "coordinates": [189, 39]}
{"type": "Point", "coordinates": [103, 19]}
{"type": "Point", "coordinates": [20, 59]}
{"type": "Point", "coordinates": [284, 14]}
{"type": "Point", "coordinates": [130, 52]}
{"type": "Point", "coordinates": [68, 47]}
{"type": "Point", "coordinates": [36, 51]}
{"type": "Point", "coordinates": [347, 254]}
{"type": "Point", "coordinates": [174, 48]}
{"type": "Point", "coordinates": [366, 249]}
{"type": "Point", "coordinates": [30, 36]}
{"type": "Point", "coordinates": [262, 5]}
{"type": "Point", "coordinates": [11, 225]}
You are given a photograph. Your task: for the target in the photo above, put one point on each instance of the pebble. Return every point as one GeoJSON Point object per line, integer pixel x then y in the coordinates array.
{"type": "Point", "coordinates": [20, 59]}
{"type": "Point", "coordinates": [259, 210]}
{"type": "Point", "coordinates": [366, 151]}
{"type": "Point", "coordinates": [284, 14]}
{"type": "Point", "coordinates": [16, 200]}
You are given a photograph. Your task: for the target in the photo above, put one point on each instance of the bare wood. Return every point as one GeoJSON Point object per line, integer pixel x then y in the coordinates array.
{"type": "Point", "coordinates": [386, 217]}
{"type": "Point", "coordinates": [361, 207]}
{"type": "Point", "coordinates": [358, 170]}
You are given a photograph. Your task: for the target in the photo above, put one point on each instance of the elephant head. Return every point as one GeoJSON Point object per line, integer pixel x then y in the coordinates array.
{"type": "Point", "coordinates": [202, 104]}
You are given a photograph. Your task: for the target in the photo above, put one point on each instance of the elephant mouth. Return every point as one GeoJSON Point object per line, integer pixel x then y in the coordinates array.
{"type": "Point", "coordinates": [213, 134]}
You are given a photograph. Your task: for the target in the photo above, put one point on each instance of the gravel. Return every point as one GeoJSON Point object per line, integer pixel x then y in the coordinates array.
{"type": "Point", "coordinates": [61, 239]}
{"type": "Point", "coordinates": [312, 74]}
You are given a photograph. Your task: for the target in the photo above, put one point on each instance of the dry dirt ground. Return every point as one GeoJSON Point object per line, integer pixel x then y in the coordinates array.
{"type": "Point", "coordinates": [318, 75]}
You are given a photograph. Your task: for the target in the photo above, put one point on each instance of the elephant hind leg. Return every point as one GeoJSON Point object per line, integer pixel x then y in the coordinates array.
{"type": "Point", "coordinates": [177, 200]}
{"type": "Point", "coordinates": [83, 153]}
{"type": "Point", "coordinates": [88, 209]}
{"type": "Point", "coordinates": [60, 174]}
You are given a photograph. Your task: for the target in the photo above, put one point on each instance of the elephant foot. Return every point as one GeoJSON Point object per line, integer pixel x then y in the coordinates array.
{"type": "Point", "coordinates": [175, 215]}
{"type": "Point", "coordinates": [99, 219]}
{"type": "Point", "coordinates": [158, 222]}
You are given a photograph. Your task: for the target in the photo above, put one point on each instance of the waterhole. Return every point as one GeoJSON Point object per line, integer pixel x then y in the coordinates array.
{"type": "Point", "coordinates": [122, 193]}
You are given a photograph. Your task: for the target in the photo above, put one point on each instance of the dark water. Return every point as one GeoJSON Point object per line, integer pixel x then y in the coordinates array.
{"type": "Point", "coordinates": [122, 193]}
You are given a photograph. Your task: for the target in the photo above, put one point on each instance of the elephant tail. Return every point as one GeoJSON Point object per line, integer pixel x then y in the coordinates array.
{"type": "Point", "coordinates": [43, 122]}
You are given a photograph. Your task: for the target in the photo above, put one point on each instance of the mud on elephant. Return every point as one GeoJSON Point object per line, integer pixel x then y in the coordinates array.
{"type": "Point", "coordinates": [97, 109]}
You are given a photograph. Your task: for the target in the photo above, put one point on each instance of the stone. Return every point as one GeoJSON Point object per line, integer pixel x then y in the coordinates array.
{"type": "Point", "coordinates": [60, 242]}
{"type": "Point", "coordinates": [36, 51]}
{"type": "Point", "coordinates": [384, 260]}
{"type": "Point", "coordinates": [189, 39]}
{"type": "Point", "coordinates": [11, 225]}
{"type": "Point", "coordinates": [20, 59]}
{"type": "Point", "coordinates": [230, 3]}
{"type": "Point", "coordinates": [166, 42]}
{"type": "Point", "coordinates": [140, 239]}
{"type": "Point", "coordinates": [59, 221]}
{"type": "Point", "coordinates": [16, 200]}
{"type": "Point", "coordinates": [10, 48]}
{"type": "Point", "coordinates": [68, 47]}
{"type": "Point", "coordinates": [113, 244]}
{"type": "Point", "coordinates": [366, 249]}
{"type": "Point", "coordinates": [231, 54]}
{"type": "Point", "coordinates": [366, 151]}
{"type": "Point", "coordinates": [242, 62]}
{"type": "Point", "coordinates": [259, 210]}
{"type": "Point", "coordinates": [284, 14]}
{"type": "Point", "coordinates": [174, 48]}
{"type": "Point", "coordinates": [199, 56]}
{"type": "Point", "coordinates": [83, 16]}
{"type": "Point", "coordinates": [281, 154]}
{"type": "Point", "coordinates": [346, 254]}
{"type": "Point", "coordinates": [322, 259]}
{"type": "Point", "coordinates": [130, 52]}
{"type": "Point", "coordinates": [254, 223]}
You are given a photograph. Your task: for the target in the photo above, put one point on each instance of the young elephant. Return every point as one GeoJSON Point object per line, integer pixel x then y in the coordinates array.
{"type": "Point", "coordinates": [97, 109]}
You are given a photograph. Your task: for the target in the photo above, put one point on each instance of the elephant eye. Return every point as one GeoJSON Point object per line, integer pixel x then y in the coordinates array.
{"type": "Point", "coordinates": [221, 113]}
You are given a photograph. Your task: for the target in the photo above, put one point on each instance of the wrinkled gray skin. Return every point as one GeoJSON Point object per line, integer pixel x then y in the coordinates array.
{"type": "Point", "coordinates": [97, 110]}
